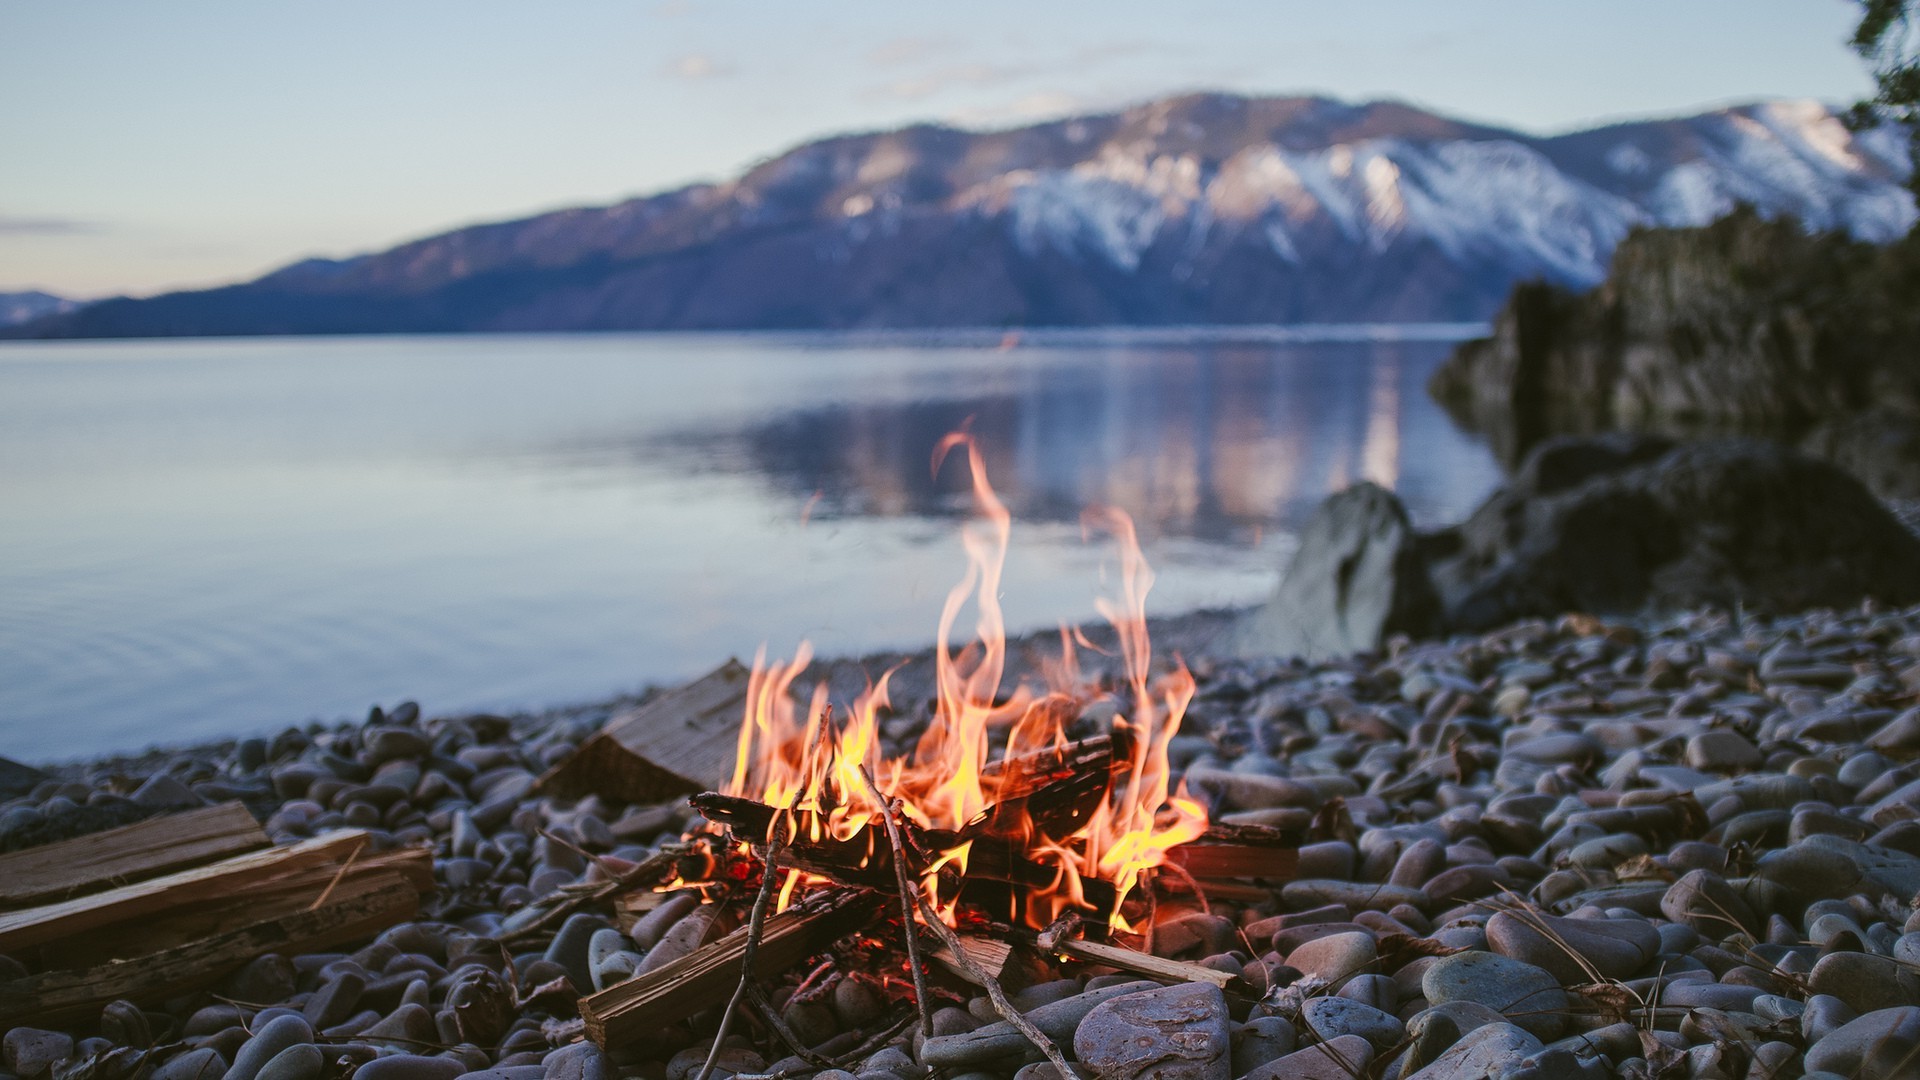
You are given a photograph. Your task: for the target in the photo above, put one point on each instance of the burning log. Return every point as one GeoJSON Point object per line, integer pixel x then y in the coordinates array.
{"type": "Point", "coordinates": [130, 853]}
{"type": "Point", "coordinates": [681, 742]}
{"type": "Point", "coordinates": [705, 978]}
{"type": "Point", "coordinates": [1239, 853]}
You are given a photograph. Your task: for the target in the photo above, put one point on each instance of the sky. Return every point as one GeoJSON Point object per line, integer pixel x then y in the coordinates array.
{"type": "Point", "coordinates": [146, 146]}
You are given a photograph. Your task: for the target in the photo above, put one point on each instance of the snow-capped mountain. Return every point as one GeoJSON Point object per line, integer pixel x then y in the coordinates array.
{"type": "Point", "coordinates": [1206, 208]}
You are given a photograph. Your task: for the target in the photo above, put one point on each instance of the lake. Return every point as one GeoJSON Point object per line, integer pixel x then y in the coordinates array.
{"type": "Point", "coordinates": [204, 538]}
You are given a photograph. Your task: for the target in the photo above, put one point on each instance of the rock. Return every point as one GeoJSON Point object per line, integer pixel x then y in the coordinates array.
{"type": "Point", "coordinates": [409, 1067]}
{"type": "Point", "coordinates": [1881, 1045]}
{"type": "Point", "coordinates": [1867, 983]}
{"type": "Point", "coordinates": [17, 780]}
{"type": "Point", "coordinates": [335, 1001]}
{"type": "Point", "coordinates": [1260, 1040]}
{"type": "Point", "coordinates": [1485, 1051]}
{"type": "Point", "coordinates": [1173, 1032]}
{"type": "Point", "coordinates": [1331, 1017]}
{"type": "Point", "coordinates": [1337, 1059]}
{"type": "Point", "coordinates": [165, 792]}
{"type": "Point", "coordinates": [1703, 900]}
{"type": "Point", "coordinates": [1356, 578]}
{"type": "Point", "coordinates": [1616, 948]}
{"type": "Point", "coordinates": [999, 1042]}
{"type": "Point", "coordinates": [29, 1052]}
{"type": "Point", "coordinates": [1525, 994]}
{"type": "Point", "coordinates": [268, 1041]}
{"type": "Point", "coordinates": [579, 1061]}
{"type": "Point", "coordinates": [207, 1064]}
{"type": "Point", "coordinates": [1621, 524]}
{"type": "Point", "coordinates": [1335, 957]}
{"type": "Point", "coordinates": [304, 1061]}
{"type": "Point", "coordinates": [1721, 750]}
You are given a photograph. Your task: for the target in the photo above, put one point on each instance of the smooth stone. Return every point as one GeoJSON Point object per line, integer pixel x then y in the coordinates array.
{"type": "Point", "coordinates": [1867, 983]}
{"type": "Point", "coordinates": [571, 947]}
{"type": "Point", "coordinates": [1489, 1050]}
{"type": "Point", "coordinates": [1174, 1032]}
{"type": "Point", "coordinates": [407, 1027]}
{"type": "Point", "coordinates": [1705, 901]}
{"type": "Point", "coordinates": [1335, 957]}
{"type": "Point", "coordinates": [202, 1064]}
{"type": "Point", "coordinates": [268, 1041]}
{"type": "Point", "coordinates": [334, 1002]}
{"type": "Point", "coordinates": [1436, 1029]}
{"type": "Point", "coordinates": [1260, 1040]}
{"type": "Point", "coordinates": [1823, 1015]}
{"type": "Point", "coordinates": [166, 792]}
{"type": "Point", "coordinates": [539, 1072]}
{"type": "Point", "coordinates": [1564, 947]}
{"type": "Point", "coordinates": [304, 1061]}
{"type": "Point", "coordinates": [1526, 994]}
{"type": "Point", "coordinates": [1041, 1070]}
{"type": "Point", "coordinates": [1721, 750]}
{"type": "Point", "coordinates": [1337, 1059]}
{"type": "Point", "coordinates": [1356, 895]}
{"type": "Point", "coordinates": [1000, 1041]}
{"type": "Point", "coordinates": [1882, 1045]}
{"type": "Point", "coordinates": [1331, 1017]}
{"type": "Point", "coordinates": [409, 1067]}
{"type": "Point", "coordinates": [28, 1052]}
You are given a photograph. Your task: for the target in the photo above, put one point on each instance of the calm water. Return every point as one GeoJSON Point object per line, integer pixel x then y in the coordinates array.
{"type": "Point", "coordinates": [204, 538]}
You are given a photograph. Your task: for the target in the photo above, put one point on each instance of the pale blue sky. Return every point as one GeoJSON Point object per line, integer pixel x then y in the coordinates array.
{"type": "Point", "coordinates": [146, 145]}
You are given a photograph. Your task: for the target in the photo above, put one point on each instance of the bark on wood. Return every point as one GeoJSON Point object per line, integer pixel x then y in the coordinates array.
{"type": "Point", "coordinates": [1239, 852]}
{"type": "Point", "coordinates": [130, 853]}
{"type": "Point", "coordinates": [623, 1014]}
{"type": "Point", "coordinates": [354, 912]}
{"type": "Point", "coordinates": [681, 742]}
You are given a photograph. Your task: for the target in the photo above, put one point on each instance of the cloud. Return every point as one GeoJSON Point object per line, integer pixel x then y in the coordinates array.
{"type": "Point", "coordinates": [29, 226]}
{"type": "Point", "coordinates": [696, 66]}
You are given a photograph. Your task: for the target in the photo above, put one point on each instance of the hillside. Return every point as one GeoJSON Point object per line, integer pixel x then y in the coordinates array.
{"type": "Point", "coordinates": [1198, 209]}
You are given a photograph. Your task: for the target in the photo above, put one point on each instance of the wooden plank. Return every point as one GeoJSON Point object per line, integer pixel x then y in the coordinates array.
{"type": "Point", "coordinates": [211, 884]}
{"type": "Point", "coordinates": [144, 930]}
{"type": "Point", "coordinates": [1244, 852]}
{"type": "Point", "coordinates": [129, 853]}
{"type": "Point", "coordinates": [636, 1009]}
{"type": "Point", "coordinates": [682, 742]}
{"type": "Point", "coordinates": [1156, 968]}
{"type": "Point", "coordinates": [352, 914]}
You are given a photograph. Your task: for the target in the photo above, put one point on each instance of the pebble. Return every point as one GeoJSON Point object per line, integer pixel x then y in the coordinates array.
{"type": "Point", "coordinates": [1342, 1058]}
{"type": "Point", "coordinates": [1169, 1033]}
{"type": "Point", "coordinates": [267, 1042]}
{"type": "Point", "coordinates": [1525, 994]}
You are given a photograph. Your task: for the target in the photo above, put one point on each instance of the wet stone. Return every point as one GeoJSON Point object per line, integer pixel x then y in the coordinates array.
{"type": "Point", "coordinates": [1527, 995]}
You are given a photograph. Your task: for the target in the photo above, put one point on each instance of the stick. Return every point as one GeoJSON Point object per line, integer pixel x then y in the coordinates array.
{"type": "Point", "coordinates": [778, 1025]}
{"type": "Point", "coordinates": [1000, 1003]}
{"type": "Point", "coordinates": [756, 925]}
{"type": "Point", "coordinates": [888, 813]}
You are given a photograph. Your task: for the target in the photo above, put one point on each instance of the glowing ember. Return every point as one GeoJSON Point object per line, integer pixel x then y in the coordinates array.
{"type": "Point", "coordinates": [805, 763]}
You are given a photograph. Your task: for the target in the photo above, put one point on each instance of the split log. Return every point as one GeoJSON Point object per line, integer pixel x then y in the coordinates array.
{"type": "Point", "coordinates": [356, 911]}
{"type": "Point", "coordinates": [681, 742]}
{"type": "Point", "coordinates": [991, 957]}
{"type": "Point", "coordinates": [185, 906]}
{"type": "Point", "coordinates": [1239, 852]}
{"type": "Point", "coordinates": [636, 1009]}
{"type": "Point", "coordinates": [129, 853]}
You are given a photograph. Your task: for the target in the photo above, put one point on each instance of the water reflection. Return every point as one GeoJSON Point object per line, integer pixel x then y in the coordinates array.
{"type": "Point", "coordinates": [1217, 443]}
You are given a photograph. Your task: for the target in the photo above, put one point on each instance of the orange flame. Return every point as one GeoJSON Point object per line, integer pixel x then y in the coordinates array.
{"type": "Point", "coordinates": [806, 763]}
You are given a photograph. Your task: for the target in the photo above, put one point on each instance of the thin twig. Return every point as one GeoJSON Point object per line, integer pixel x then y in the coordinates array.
{"type": "Point", "coordinates": [778, 1025]}
{"type": "Point", "coordinates": [756, 925]}
{"type": "Point", "coordinates": [887, 814]}
{"type": "Point", "coordinates": [327, 893]}
{"type": "Point", "coordinates": [994, 991]}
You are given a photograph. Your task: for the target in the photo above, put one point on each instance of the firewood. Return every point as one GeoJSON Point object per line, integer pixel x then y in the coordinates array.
{"type": "Point", "coordinates": [633, 1010]}
{"type": "Point", "coordinates": [179, 908]}
{"type": "Point", "coordinates": [990, 956]}
{"type": "Point", "coordinates": [681, 742]}
{"type": "Point", "coordinates": [130, 853]}
{"type": "Point", "coordinates": [1239, 852]}
{"type": "Point", "coordinates": [1152, 967]}
{"type": "Point", "coordinates": [354, 912]}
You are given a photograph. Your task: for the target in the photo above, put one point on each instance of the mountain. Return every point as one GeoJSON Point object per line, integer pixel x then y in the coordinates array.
{"type": "Point", "coordinates": [23, 307]}
{"type": "Point", "coordinates": [1205, 208]}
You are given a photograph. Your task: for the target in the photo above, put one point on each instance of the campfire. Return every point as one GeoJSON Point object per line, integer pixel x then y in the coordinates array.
{"type": "Point", "coordinates": [1037, 820]}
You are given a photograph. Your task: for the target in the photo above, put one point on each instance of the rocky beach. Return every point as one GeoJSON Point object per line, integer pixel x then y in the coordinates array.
{"type": "Point", "coordinates": [1685, 846]}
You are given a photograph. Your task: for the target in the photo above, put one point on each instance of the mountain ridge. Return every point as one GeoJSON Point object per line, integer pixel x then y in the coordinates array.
{"type": "Point", "coordinates": [1201, 208]}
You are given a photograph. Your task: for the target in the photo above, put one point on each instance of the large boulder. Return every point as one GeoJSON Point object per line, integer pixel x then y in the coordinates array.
{"type": "Point", "coordinates": [1622, 524]}
{"type": "Point", "coordinates": [1357, 577]}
